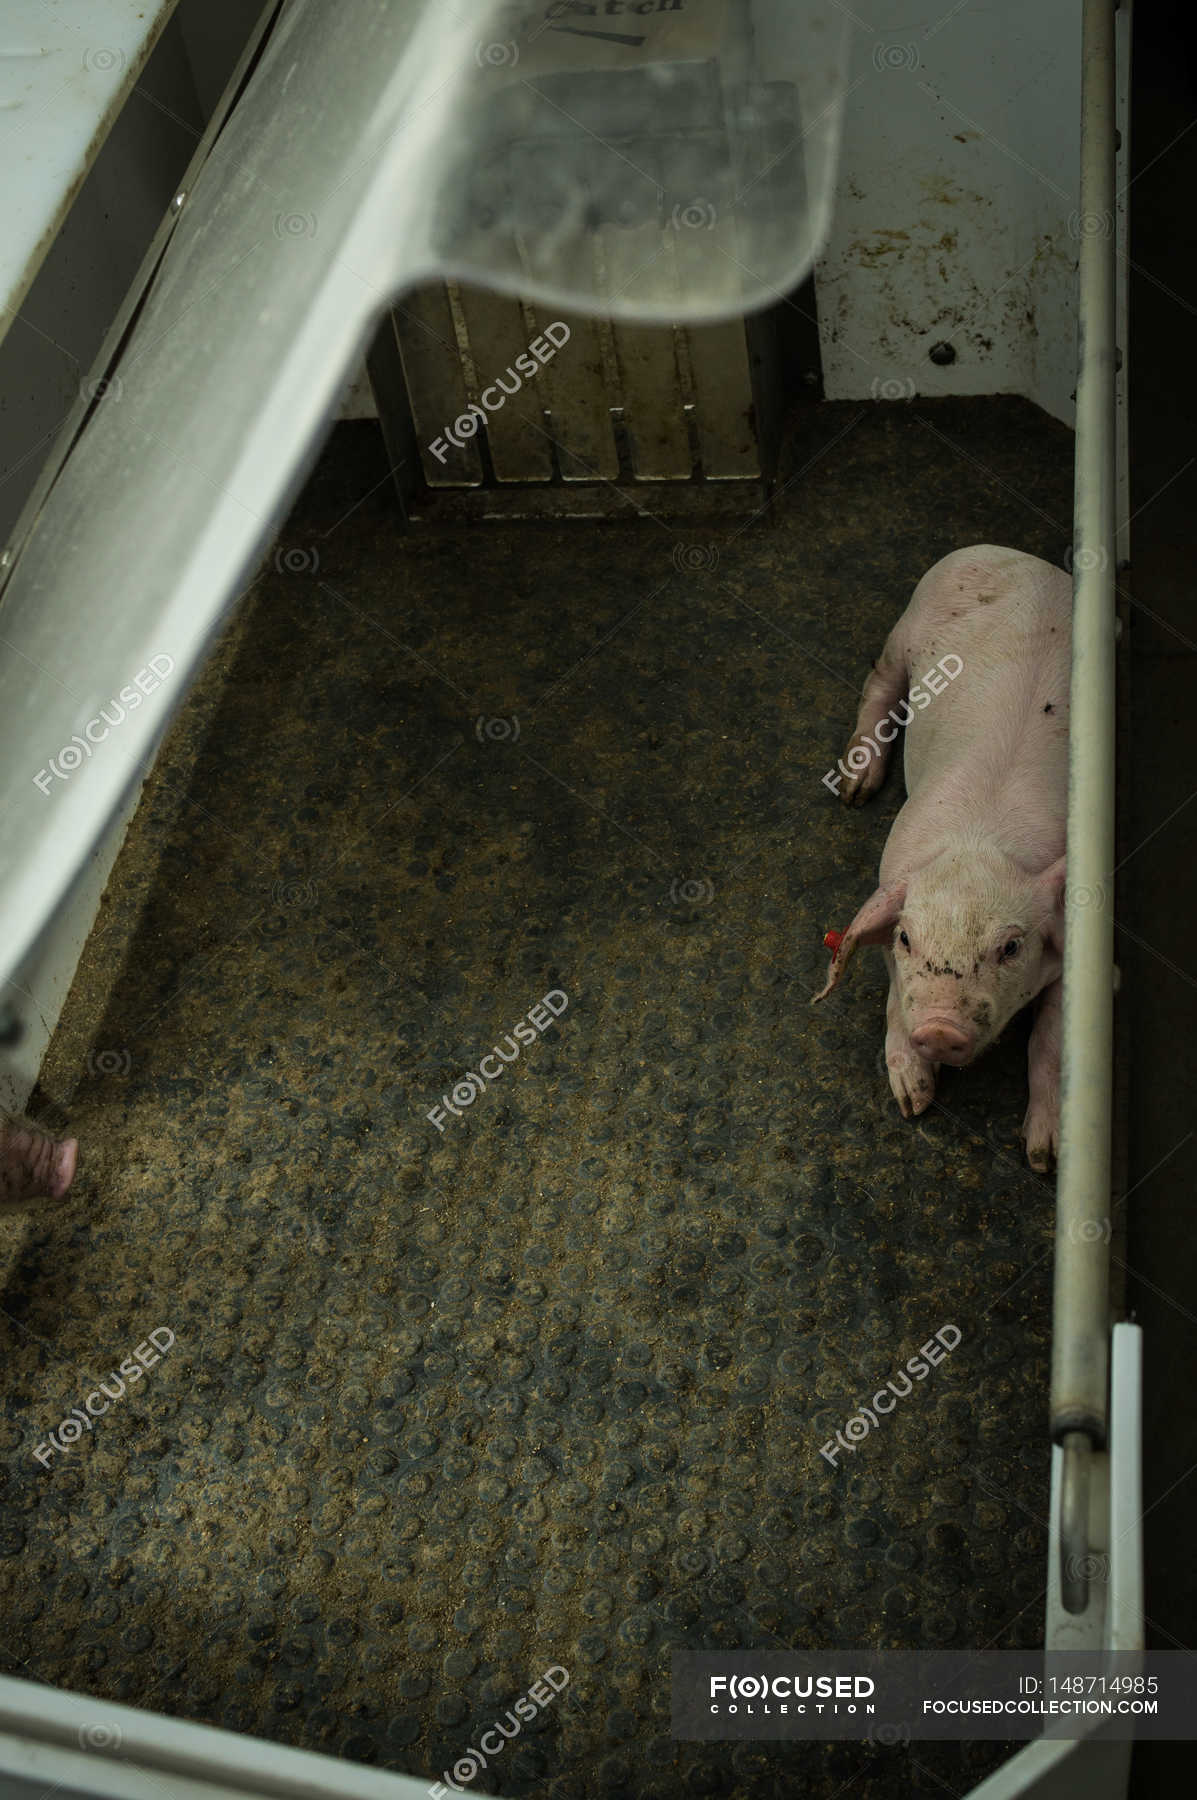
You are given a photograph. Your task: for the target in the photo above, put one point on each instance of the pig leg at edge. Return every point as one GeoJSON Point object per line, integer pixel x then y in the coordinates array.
{"type": "Point", "coordinates": [1041, 1127]}
{"type": "Point", "coordinates": [33, 1164]}
{"type": "Point", "coordinates": [885, 686]}
{"type": "Point", "coordinates": [911, 1076]}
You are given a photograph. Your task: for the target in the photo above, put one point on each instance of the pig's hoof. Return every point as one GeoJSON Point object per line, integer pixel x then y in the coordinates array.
{"type": "Point", "coordinates": [856, 789]}
{"type": "Point", "coordinates": [1041, 1129]}
{"type": "Point", "coordinates": [912, 1080]}
{"type": "Point", "coordinates": [33, 1165]}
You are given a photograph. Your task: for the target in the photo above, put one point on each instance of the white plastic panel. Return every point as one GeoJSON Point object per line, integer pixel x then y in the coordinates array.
{"type": "Point", "coordinates": [64, 71]}
{"type": "Point", "coordinates": [1095, 1765]}
{"type": "Point", "coordinates": [956, 205]}
{"type": "Point", "coordinates": [69, 1745]}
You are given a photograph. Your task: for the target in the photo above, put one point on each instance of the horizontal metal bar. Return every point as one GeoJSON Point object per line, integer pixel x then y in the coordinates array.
{"type": "Point", "coordinates": [55, 1740]}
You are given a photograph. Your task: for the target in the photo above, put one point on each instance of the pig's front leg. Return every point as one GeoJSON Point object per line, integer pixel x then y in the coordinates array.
{"type": "Point", "coordinates": [1041, 1127]}
{"type": "Point", "coordinates": [885, 686]}
{"type": "Point", "coordinates": [911, 1076]}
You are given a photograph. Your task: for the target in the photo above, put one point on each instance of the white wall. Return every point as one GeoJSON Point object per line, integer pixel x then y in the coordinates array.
{"type": "Point", "coordinates": [957, 183]}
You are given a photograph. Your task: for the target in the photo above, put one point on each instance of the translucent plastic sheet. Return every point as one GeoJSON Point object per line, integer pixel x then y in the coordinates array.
{"type": "Point", "coordinates": [599, 136]}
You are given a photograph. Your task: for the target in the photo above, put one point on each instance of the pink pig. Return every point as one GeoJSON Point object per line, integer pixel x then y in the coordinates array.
{"type": "Point", "coordinates": [970, 902]}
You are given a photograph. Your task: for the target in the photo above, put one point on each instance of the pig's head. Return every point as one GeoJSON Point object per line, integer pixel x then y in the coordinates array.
{"type": "Point", "coordinates": [974, 938]}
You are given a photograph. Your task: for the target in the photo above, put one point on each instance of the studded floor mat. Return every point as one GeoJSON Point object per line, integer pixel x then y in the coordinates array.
{"type": "Point", "coordinates": [456, 1111]}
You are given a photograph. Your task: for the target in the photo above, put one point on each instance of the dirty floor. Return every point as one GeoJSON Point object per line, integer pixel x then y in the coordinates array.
{"type": "Point", "coordinates": [547, 1384]}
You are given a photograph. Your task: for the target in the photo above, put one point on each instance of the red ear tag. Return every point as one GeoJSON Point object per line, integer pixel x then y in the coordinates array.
{"type": "Point", "coordinates": [832, 941]}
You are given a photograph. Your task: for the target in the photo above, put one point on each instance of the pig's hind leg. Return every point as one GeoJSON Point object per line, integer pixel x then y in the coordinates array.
{"type": "Point", "coordinates": [885, 687]}
{"type": "Point", "coordinates": [911, 1076]}
{"type": "Point", "coordinates": [1041, 1127]}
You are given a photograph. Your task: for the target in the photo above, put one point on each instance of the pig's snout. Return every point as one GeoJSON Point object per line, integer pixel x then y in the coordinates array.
{"type": "Point", "coordinates": [944, 1040]}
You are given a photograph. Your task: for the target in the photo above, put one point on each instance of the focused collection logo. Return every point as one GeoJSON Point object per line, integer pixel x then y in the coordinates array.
{"type": "Point", "coordinates": [729, 1692]}
{"type": "Point", "coordinates": [83, 1418]}
{"type": "Point", "coordinates": [542, 1693]}
{"type": "Point", "coordinates": [863, 753]}
{"type": "Point", "coordinates": [72, 756]}
{"type": "Point", "coordinates": [474, 1082]}
{"type": "Point", "coordinates": [858, 1427]}
{"type": "Point", "coordinates": [527, 364]}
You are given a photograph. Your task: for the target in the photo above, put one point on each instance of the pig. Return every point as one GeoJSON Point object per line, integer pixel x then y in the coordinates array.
{"type": "Point", "coordinates": [969, 907]}
{"type": "Point", "coordinates": [33, 1165]}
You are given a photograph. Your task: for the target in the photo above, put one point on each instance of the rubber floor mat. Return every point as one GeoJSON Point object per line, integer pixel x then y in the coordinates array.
{"type": "Point", "coordinates": [481, 1364]}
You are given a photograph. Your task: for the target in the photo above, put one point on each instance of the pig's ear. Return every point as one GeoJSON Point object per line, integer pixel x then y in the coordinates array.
{"type": "Point", "coordinates": [1049, 902]}
{"type": "Point", "coordinates": [873, 924]}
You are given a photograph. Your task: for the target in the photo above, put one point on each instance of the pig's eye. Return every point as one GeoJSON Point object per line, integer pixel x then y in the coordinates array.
{"type": "Point", "coordinates": [1011, 948]}
{"type": "Point", "coordinates": [904, 940]}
